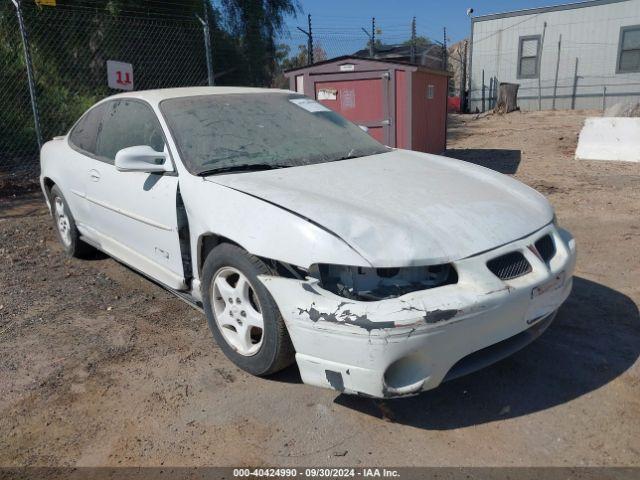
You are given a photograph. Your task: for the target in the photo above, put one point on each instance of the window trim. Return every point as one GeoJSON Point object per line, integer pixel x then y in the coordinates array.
{"type": "Point", "coordinates": [521, 41]}
{"type": "Point", "coordinates": [107, 161]}
{"type": "Point", "coordinates": [624, 29]}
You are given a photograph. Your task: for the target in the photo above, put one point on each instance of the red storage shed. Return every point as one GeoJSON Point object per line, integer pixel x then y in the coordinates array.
{"type": "Point", "coordinates": [403, 105]}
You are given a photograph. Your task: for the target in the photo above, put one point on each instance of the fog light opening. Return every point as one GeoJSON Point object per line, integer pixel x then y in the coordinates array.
{"type": "Point", "coordinates": [407, 375]}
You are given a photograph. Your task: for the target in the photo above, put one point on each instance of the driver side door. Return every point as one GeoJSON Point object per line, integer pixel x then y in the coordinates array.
{"type": "Point", "coordinates": [134, 213]}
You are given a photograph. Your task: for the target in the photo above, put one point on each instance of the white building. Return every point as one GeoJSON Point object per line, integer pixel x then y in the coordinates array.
{"type": "Point", "coordinates": [578, 55]}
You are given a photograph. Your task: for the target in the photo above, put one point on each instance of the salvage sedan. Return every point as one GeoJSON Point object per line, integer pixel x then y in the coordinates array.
{"type": "Point", "coordinates": [381, 272]}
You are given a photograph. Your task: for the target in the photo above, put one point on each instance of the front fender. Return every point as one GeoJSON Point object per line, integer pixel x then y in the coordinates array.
{"type": "Point", "coordinates": [261, 228]}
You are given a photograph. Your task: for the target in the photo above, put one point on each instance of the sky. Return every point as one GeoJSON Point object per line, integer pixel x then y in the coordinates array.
{"type": "Point", "coordinates": [337, 23]}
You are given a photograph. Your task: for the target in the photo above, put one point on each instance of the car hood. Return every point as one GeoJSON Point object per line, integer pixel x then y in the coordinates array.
{"type": "Point", "coordinates": [403, 208]}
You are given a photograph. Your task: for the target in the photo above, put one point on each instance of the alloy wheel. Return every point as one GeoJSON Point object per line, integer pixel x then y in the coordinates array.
{"type": "Point", "coordinates": [62, 221]}
{"type": "Point", "coordinates": [237, 311]}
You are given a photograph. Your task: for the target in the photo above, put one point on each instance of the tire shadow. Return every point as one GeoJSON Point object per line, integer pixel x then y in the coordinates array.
{"type": "Point", "coordinates": [594, 339]}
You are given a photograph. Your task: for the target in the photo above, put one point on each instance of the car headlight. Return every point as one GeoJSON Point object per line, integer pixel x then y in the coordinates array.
{"type": "Point", "coordinates": [370, 284]}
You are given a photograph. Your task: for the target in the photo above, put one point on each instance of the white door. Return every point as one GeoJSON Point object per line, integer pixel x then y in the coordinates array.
{"type": "Point", "coordinates": [134, 213]}
{"type": "Point", "coordinates": [82, 140]}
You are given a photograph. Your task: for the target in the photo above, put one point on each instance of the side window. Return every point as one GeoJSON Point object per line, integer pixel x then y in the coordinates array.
{"type": "Point", "coordinates": [629, 50]}
{"type": "Point", "coordinates": [528, 56]}
{"type": "Point", "coordinates": [84, 134]}
{"type": "Point", "coordinates": [128, 123]}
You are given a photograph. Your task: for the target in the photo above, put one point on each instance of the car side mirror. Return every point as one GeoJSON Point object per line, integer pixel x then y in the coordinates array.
{"type": "Point", "coordinates": [142, 158]}
{"type": "Point", "coordinates": [364, 128]}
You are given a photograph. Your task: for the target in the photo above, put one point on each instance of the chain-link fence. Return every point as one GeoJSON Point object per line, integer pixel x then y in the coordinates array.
{"type": "Point", "coordinates": [69, 49]}
{"type": "Point", "coordinates": [70, 43]}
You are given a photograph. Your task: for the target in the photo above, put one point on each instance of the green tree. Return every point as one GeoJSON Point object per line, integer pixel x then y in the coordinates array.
{"type": "Point", "coordinates": [255, 24]}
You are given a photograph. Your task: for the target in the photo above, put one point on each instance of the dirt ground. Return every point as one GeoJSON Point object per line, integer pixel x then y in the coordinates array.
{"type": "Point", "coordinates": [99, 366]}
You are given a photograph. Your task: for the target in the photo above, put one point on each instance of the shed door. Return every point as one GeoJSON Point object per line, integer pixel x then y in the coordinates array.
{"type": "Point", "coordinates": [363, 98]}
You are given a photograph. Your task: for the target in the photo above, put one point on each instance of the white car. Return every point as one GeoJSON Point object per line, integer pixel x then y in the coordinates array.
{"type": "Point", "coordinates": [382, 272]}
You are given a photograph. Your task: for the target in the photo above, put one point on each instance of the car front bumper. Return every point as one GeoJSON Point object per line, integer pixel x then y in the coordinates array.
{"type": "Point", "coordinates": [414, 342]}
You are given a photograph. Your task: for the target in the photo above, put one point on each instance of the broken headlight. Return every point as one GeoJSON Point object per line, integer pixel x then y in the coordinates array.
{"type": "Point", "coordinates": [370, 284]}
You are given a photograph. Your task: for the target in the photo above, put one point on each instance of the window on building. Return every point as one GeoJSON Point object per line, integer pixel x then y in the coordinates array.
{"type": "Point", "coordinates": [629, 50]}
{"type": "Point", "coordinates": [529, 56]}
{"type": "Point", "coordinates": [431, 91]}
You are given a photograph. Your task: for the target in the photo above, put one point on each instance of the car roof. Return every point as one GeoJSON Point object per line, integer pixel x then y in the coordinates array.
{"type": "Point", "coordinates": [156, 96]}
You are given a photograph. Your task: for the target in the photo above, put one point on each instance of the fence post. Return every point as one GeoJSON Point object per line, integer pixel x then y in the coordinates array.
{"type": "Point", "coordinates": [207, 43]}
{"type": "Point", "coordinates": [463, 81]}
{"type": "Point", "coordinates": [555, 82]}
{"type": "Point", "coordinates": [575, 86]}
{"type": "Point", "coordinates": [490, 91]}
{"type": "Point", "coordinates": [604, 97]}
{"type": "Point", "coordinates": [30, 78]}
{"type": "Point", "coordinates": [544, 30]}
{"type": "Point", "coordinates": [483, 90]}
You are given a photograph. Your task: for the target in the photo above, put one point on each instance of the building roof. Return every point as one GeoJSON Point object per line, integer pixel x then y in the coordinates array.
{"type": "Point", "coordinates": [552, 8]}
{"type": "Point", "coordinates": [372, 60]}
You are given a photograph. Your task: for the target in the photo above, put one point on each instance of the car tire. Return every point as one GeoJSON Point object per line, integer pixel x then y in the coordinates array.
{"type": "Point", "coordinates": [261, 355]}
{"type": "Point", "coordinates": [65, 226]}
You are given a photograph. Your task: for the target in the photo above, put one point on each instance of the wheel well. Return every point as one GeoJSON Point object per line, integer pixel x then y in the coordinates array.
{"type": "Point", "coordinates": [208, 242]}
{"type": "Point", "coordinates": [48, 185]}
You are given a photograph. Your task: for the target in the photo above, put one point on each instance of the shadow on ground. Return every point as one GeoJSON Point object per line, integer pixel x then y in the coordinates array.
{"type": "Point", "coordinates": [594, 339]}
{"type": "Point", "coordinates": [500, 160]}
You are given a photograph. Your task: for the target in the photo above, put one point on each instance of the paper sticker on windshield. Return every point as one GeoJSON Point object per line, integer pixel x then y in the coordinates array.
{"type": "Point", "coordinates": [309, 105]}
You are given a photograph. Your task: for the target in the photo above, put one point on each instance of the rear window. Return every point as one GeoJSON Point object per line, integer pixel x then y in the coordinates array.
{"type": "Point", "coordinates": [83, 135]}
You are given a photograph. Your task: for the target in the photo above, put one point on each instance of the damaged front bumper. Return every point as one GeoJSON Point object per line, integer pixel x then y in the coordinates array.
{"type": "Point", "coordinates": [412, 343]}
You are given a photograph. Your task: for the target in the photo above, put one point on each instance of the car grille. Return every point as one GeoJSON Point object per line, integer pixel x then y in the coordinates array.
{"type": "Point", "coordinates": [546, 248]}
{"type": "Point", "coordinates": [509, 266]}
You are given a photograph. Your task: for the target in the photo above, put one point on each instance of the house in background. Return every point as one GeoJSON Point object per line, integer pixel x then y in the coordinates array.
{"type": "Point", "coordinates": [430, 55]}
{"type": "Point", "coordinates": [581, 55]}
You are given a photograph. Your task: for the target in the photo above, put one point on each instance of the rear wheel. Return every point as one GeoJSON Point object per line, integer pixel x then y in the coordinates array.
{"type": "Point", "coordinates": [242, 315]}
{"type": "Point", "coordinates": [66, 226]}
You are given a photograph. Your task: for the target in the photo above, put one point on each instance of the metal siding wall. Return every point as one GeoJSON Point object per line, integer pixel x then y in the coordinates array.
{"type": "Point", "coordinates": [591, 34]}
{"type": "Point", "coordinates": [429, 115]}
{"type": "Point", "coordinates": [359, 101]}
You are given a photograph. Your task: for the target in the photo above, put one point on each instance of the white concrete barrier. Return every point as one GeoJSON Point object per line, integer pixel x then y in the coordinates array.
{"type": "Point", "coordinates": [610, 138]}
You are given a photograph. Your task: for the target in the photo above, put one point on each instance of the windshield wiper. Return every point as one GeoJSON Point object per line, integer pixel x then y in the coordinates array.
{"type": "Point", "coordinates": [243, 167]}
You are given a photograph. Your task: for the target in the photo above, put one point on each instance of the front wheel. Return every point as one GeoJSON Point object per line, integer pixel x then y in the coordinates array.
{"type": "Point", "coordinates": [242, 315]}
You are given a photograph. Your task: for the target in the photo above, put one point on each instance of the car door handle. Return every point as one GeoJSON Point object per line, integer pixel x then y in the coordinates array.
{"type": "Point", "coordinates": [94, 175]}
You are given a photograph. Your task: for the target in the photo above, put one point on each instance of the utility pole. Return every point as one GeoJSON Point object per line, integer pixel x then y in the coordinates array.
{"type": "Point", "coordinates": [413, 40]}
{"type": "Point", "coordinates": [372, 37]}
{"type": "Point", "coordinates": [309, 35]}
{"type": "Point", "coordinates": [444, 49]}
{"type": "Point", "coordinates": [30, 78]}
